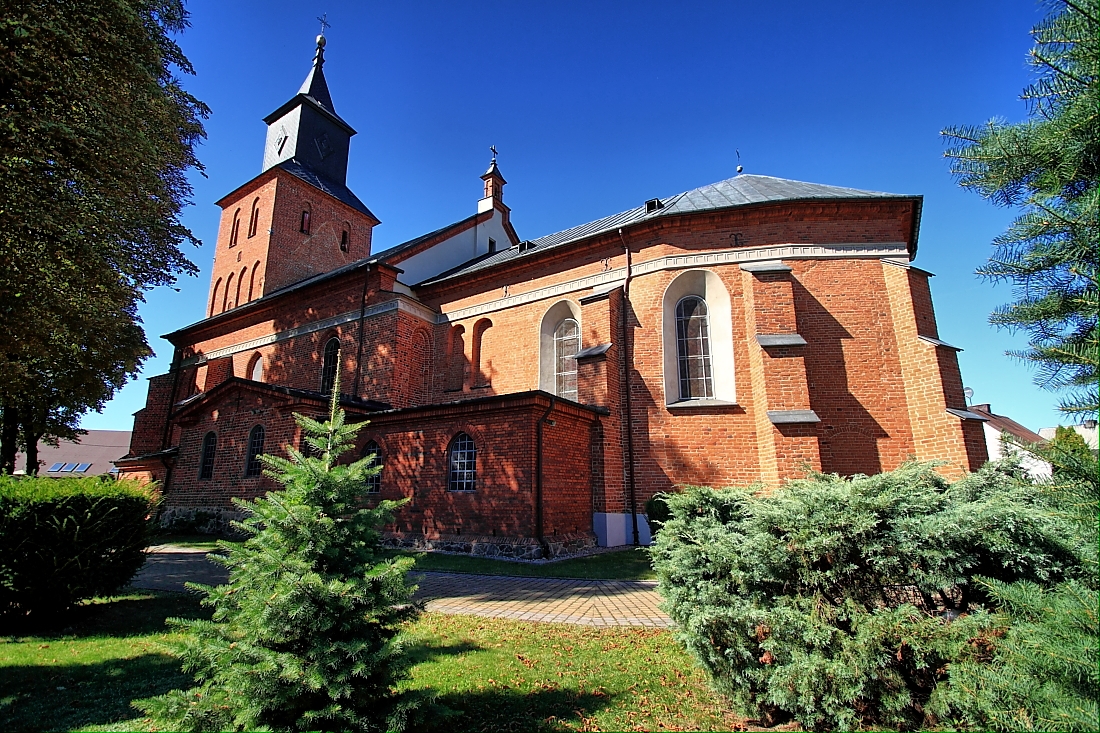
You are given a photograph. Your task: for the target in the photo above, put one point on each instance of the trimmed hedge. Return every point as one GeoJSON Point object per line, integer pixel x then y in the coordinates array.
{"type": "Point", "coordinates": [841, 602]}
{"type": "Point", "coordinates": [65, 540]}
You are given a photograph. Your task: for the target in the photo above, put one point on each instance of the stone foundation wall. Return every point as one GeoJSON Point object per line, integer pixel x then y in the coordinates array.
{"type": "Point", "coordinates": [202, 520]}
{"type": "Point", "coordinates": [504, 548]}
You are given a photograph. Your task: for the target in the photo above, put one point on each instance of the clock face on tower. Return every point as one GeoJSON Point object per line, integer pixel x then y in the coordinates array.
{"type": "Point", "coordinates": [280, 140]}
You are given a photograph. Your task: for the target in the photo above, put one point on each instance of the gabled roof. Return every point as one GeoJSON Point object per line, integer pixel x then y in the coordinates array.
{"type": "Point", "coordinates": [1004, 424]}
{"type": "Point", "coordinates": [742, 190]}
{"type": "Point", "coordinates": [314, 92]}
{"type": "Point", "coordinates": [397, 249]}
{"type": "Point", "coordinates": [301, 394]}
{"type": "Point", "coordinates": [338, 191]}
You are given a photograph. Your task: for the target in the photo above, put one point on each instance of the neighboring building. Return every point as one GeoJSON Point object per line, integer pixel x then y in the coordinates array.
{"type": "Point", "coordinates": [529, 396]}
{"type": "Point", "coordinates": [1086, 430]}
{"type": "Point", "coordinates": [93, 454]}
{"type": "Point", "coordinates": [996, 428]}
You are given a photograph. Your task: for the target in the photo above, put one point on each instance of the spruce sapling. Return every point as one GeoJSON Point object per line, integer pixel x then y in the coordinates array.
{"type": "Point", "coordinates": [305, 635]}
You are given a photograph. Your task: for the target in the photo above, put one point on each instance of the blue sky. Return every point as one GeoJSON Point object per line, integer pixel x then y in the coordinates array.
{"type": "Point", "coordinates": [598, 106]}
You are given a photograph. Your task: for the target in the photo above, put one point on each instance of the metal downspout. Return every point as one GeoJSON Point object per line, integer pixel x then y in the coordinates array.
{"type": "Point", "coordinates": [628, 405]}
{"type": "Point", "coordinates": [362, 317]}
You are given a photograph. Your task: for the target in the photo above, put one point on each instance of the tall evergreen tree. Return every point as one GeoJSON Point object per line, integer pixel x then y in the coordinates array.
{"type": "Point", "coordinates": [304, 635]}
{"type": "Point", "coordinates": [1049, 167]}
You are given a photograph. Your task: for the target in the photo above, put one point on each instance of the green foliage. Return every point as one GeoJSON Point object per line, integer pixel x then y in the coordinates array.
{"type": "Point", "coordinates": [1041, 670]}
{"type": "Point", "coordinates": [1049, 166]}
{"type": "Point", "coordinates": [65, 540]}
{"type": "Point", "coordinates": [657, 511]}
{"type": "Point", "coordinates": [839, 601]}
{"type": "Point", "coordinates": [304, 636]}
{"type": "Point", "coordinates": [96, 138]}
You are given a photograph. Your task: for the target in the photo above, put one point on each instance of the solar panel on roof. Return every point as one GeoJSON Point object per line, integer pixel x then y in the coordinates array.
{"type": "Point", "coordinates": [83, 467]}
{"type": "Point", "coordinates": [68, 467]}
{"type": "Point", "coordinates": [56, 467]}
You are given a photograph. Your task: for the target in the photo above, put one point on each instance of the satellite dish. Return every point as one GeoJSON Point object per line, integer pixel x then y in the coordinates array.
{"type": "Point", "coordinates": [969, 393]}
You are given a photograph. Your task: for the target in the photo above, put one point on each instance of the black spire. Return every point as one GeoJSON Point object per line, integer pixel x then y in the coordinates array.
{"type": "Point", "coordinates": [307, 128]}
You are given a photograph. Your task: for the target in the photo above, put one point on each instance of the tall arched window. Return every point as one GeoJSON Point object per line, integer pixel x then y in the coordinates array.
{"type": "Point", "coordinates": [214, 297]}
{"type": "Point", "coordinates": [227, 300]}
{"type": "Point", "coordinates": [462, 464]}
{"type": "Point", "coordinates": [304, 225]}
{"type": "Point", "coordinates": [252, 282]}
{"type": "Point", "coordinates": [693, 349]}
{"type": "Point", "coordinates": [240, 286]}
{"type": "Point", "coordinates": [235, 230]}
{"type": "Point", "coordinates": [254, 219]}
{"type": "Point", "coordinates": [374, 481]}
{"type": "Point", "coordinates": [206, 463]}
{"type": "Point", "coordinates": [345, 238]}
{"type": "Point", "coordinates": [256, 370]}
{"type": "Point", "coordinates": [329, 364]}
{"type": "Point", "coordinates": [252, 465]}
{"type": "Point", "coordinates": [567, 341]}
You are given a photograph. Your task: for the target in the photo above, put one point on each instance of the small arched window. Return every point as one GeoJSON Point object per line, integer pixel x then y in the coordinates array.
{"type": "Point", "coordinates": [214, 297]}
{"type": "Point", "coordinates": [252, 282]}
{"type": "Point", "coordinates": [256, 371]}
{"type": "Point", "coordinates": [206, 463]}
{"type": "Point", "coordinates": [329, 364]}
{"type": "Point", "coordinates": [254, 219]}
{"type": "Point", "coordinates": [693, 349]}
{"type": "Point", "coordinates": [462, 464]}
{"type": "Point", "coordinates": [374, 481]}
{"type": "Point", "coordinates": [567, 341]}
{"type": "Point", "coordinates": [227, 301]}
{"type": "Point", "coordinates": [345, 240]}
{"type": "Point", "coordinates": [252, 465]}
{"type": "Point", "coordinates": [304, 225]}
{"type": "Point", "coordinates": [235, 230]}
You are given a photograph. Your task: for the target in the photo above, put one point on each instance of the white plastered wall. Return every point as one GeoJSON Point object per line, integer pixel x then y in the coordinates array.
{"type": "Point", "coordinates": [454, 251]}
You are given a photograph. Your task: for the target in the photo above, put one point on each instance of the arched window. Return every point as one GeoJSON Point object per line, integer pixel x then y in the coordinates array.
{"type": "Point", "coordinates": [256, 371]}
{"type": "Point", "coordinates": [329, 364]}
{"type": "Point", "coordinates": [235, 230]}
{"type": "Point", "coordinates": [373, 451]}
{"type": "Point", "coordinates": [214, 297]}
{"type": "Point", "coordinates": [252, 465]}
{"type": "Point", "coordinates": [252, 282]}
{"type": "Point", "coordinates": [227, 302]}
{"type": "Point", "coordinates": [693, 349]}
{"type": "Point", "coordinates": [697, 340]}
{"type": "Point", "coordinates": [254, 219]}
{"type": "Point", "coordinates": [206, 463]}
{"type": "Point", "coordinates": [240, 287]}
{"type": "Point", "coordinates": [559, 342]}
{"type": "Point", "coordinates": [303, 226]}
{"type": "Point", "coordinates": [567, 341]}
{"type": "Point", "coordinates": [462, 464]}
{"type": "Point", "coordinates": [480, 374]}
{"type": "Point", "coordinates": [345, 240]}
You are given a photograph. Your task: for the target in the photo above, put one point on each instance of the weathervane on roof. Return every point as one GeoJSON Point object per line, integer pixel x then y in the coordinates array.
{"type": "Point", "coordinates": [493, 149]}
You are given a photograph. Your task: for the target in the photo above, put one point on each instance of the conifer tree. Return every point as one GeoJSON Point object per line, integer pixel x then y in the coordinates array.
{"type": "Point", "coordinates": [1049, 167]}
{"type": "Point", "coordinates": [305, 635]}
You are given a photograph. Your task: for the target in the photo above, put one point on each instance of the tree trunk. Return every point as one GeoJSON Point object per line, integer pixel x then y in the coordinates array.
{"type": "Point", "coordinates": [31, 442]}
{"type": "Point", "coordinates": [9, 437]}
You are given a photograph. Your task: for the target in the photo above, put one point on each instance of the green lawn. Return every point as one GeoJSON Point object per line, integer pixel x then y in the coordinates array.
{"type": "Point", "coordinates": [493, 673]}
{"type": "Point", "coordinates": [627, 564]}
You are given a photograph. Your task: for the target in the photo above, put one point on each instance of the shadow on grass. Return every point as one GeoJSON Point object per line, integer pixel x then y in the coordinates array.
{"type": "Point", "coordinates": [502, 709]}
{"type": "Point", "coordinates": [134, 614]}
{"type": "Point", "coordinates": [36, 698]}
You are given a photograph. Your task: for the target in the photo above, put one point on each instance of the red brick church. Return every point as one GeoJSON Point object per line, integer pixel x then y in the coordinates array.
{"type": "Point", "coordinates": [530, 395]}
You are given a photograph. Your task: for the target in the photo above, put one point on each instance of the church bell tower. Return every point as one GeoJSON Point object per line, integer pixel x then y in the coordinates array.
{"type": "Point", "coordinates": [297, 218]}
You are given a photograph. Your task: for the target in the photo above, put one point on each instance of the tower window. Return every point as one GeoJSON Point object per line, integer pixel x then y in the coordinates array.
{"type": "Point", "coordinates": [252, 465]}
{"type": "Point", "coordinates": [254, 219]}
{"type": "Point", "coordinates": [304, 227]}
{"type": "Point", "coordinates": [492, 245]}
{"type": "Point", "coordinates": [345, 242]}
{"type": "Point", "coordinates": [209, 448]}
{"type": "Point", "coordinates": [235, 230]}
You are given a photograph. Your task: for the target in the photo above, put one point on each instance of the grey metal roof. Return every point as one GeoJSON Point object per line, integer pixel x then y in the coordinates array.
{"type": "Point", "coordinates": [336, 190]}
{"type": "Point", "coordinates": [740, 190]}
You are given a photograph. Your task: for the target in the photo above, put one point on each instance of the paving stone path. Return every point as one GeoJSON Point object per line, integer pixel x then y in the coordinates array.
{"type": "Point", "coordinates": [559, 600]}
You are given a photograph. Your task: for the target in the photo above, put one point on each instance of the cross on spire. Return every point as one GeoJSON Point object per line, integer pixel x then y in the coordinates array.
{"type": "Point", "coordinates": [324, 23]}
{"type": "Point", "coordinates": [493, 148]}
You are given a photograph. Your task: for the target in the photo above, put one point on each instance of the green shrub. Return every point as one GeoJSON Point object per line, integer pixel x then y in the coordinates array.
{"type": "Point", "coordinates": [64, 540]}
{"type": "Point", "coordinates": [657, 511]}
{"type": "Point", "coordinates": [304, 635]}
{"type": "Point", "coordinates": [840, 601]}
